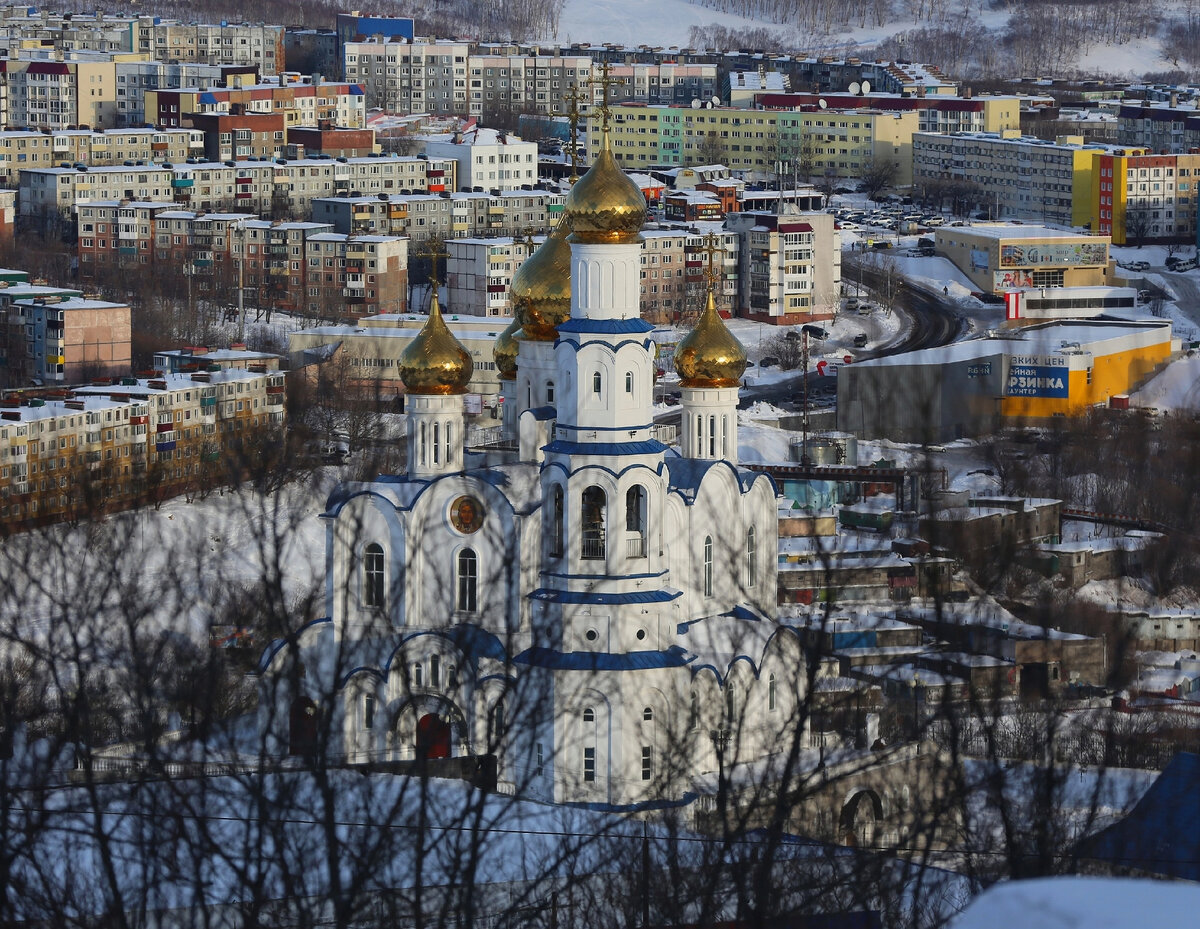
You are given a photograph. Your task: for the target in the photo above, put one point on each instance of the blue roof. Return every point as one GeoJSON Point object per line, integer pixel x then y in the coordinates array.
{"type": "Point", "coordinates": [606, 326]}
{"type": "Point", "coordinates": [543, 413]}
{"type": "Point", "coordinates": [686, 474]}
{"type": "Point", "coordinates": [673, 657]}
{"type": "Point", "coordinates": [207, 97]}
{"type": "Point", "coordinates": [586, 596]}
{"type": "Point", "coordinates": [1160, 834]}
{"type": "Point", "coordinates": [356, 91]}
{"type": "Point", "coordinates": [614, 449]}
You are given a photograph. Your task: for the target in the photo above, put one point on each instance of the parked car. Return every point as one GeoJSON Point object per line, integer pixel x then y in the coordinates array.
{"type": "Point", "coordinates": [768, 362]}
{"type": "Point", "coordinates": [860, 340]}
{"type": "Point", "coordinates": [1181, 264]}
{"type": "Point", "coordinates": [1138, 265]}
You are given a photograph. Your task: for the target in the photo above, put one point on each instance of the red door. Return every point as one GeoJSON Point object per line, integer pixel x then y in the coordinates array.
{"type": "Point", "coordinates": [433, 737]}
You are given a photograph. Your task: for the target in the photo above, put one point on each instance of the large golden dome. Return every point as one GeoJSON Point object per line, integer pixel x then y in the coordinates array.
{"type": "Point", "coordinates": [541, 288]}
{"type": "Point", "coordinates": [606, 205]}
{"type": "Point", "coordinates": [505, 351]}
{"type": "Point", "coordinates": [710, 355]}
{"type": "Point", "coordinates": [435, 362]}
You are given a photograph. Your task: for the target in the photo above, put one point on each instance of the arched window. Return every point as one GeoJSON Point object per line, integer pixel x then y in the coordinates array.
{"type": "Point", "coordinates": [597, 383]}
{"type": "Point", "coordinates": [549, 391]}
{"type": "Point", "coordinates": [648, 714]}
{"type": "Point", "coordinates": [708, 566]}
{"type": "Point", "coordinates": [496, 724]}
{"type": "Point", "coordinates": [468, 581]}
{"type": "Point", "coordinates": [373, 574]}
{"type": "Point", "coordinates": [589, 715]}
{"type": "Point", "coordinates": [556, 527]}
{"type": "Point", "coordinates": [751, 557]}
{"type": "Point", "coordinates": [730, 704]}
{"type": "Point", "coordinates": [699, 435]}
{"type": "Point", "coordinates": [635, 508]}
{"type": "Point", "coordinates": [694, 711]}
{"type": "Point", "coordinates": [771, 693]}
{"type": "Point", "coordinates": [628, 382]}
{"type": "Point", "coordinates": [435, 671]}
{"type": "Point", "coordinates": [418, 675]}
{"type": "Point", "coordinates": [594, 503]}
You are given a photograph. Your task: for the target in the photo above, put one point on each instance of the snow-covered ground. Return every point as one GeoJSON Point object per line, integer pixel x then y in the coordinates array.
{"type": "Point", "coordinates": [1072, 902]}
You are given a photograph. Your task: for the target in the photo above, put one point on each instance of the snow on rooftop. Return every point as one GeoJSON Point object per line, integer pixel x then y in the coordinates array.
{"type": "Point", "coordinates": [1074, 902]}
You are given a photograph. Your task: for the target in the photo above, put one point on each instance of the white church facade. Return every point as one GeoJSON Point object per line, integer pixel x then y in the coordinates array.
{"type": "Point", "coordinates": [590, 608]}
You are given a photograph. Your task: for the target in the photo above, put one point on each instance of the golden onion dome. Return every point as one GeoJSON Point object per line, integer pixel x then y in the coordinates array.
{"type": "Point", "coordinates": [435, 362]}
{"type": "Point", "coordinates": [541, 288]}
{"type": "Point", "coordinates": [505, 351]}
{"type": "Point", "coordinates": [710, 355]}
{"type": "Point", "coordinates": [606, 205]}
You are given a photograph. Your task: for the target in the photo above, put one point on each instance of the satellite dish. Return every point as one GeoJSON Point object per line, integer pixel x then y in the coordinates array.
{"type": "Point", "coordinates": [716, 100]}
{"type": "Point", "coordinates": [855, 87]}
{"type": "Point", "coordinates": [708, 106]}
{"type": "Point", "coordinates": [695, 103]}
{"type": "Point", "coordinates": [821, 103]}
{"type": "Point", "coordinates": [866, 87]}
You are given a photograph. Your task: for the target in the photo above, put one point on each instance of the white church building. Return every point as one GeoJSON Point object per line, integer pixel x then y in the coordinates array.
{"type": "Point", "coordinates": [588, 608]}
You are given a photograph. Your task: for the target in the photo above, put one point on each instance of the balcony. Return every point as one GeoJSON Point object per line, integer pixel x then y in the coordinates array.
{"type": "Point", "coordinates": [636, 547]}
{"type": "Point", "coordinates": [593, 545]}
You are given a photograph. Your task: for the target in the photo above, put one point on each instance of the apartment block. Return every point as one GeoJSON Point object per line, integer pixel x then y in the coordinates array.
{"type": "Point", "coordinates": [22, 149]}
{"type": "Point", "coordinates": [790, 266]}
{"type": "Point", "coordinates": [256, 44]}
{"type": "Point", "coordinates": [409, 76]}
{"type": "Point", "coordinates": [116, 233]}
{"type": "Point", "coordinates": [67, 339]}
{"type": "Point", "coordinates": [350, 276]}
{"type": "Point", "coordinates": [267, 187]}
{"type": "Point", "coordinates": [1164, 128]}
{"type": "Point", "coordinates": [673, 273]}
{"type": "Point", "coordinates": [487, 158]}
{"type": "Point", "coordinates": [134, 78]}
{"type": "Point", "coordinates": [479, 273]}
{"type": "Point", "coordinates": [446, 215]}
{"type": "Point", "coordinates": [1140, 198]}
{"type": "Point", "coordinates": [935, 113]}
{"type": "Point", "coordinates": [506, 80]}
{"type": "Point", "coordinates": [302, 102]}
{"type": "Point", "coordinates": [57, 94]}
{"type": "Point", "coordinates": [1017, 177]}
{"type": "Point", "coordinates": [106, 447]}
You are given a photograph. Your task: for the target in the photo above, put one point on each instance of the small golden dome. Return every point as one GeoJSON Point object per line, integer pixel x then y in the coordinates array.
{"type": "Point", "coordinates": [606, 205]}
{"type": "Point", "coordinates": [435, 362]}
{"type": "Point", "coordinates": [541, 288]}
{"type": "Point", "coordinates": [505, 351]}
{"type": "Point", "coordinates": [710, 355]}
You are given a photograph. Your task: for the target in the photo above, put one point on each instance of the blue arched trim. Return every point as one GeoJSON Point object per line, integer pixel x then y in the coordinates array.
{"type": "Point", "coordinates": [275, 646]}
{"type": "Point", "coordinates": [362, 669]}
{"type": "Point", "coordinates": [603, 469]}
{"type": "Point", "coordinates": [643, 344]}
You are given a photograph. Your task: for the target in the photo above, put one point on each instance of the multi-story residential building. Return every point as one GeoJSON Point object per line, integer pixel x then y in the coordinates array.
{"type": "Point", "coordinates": [1160, 128]}
{"type": "Point", "coordinates": [486, 158]}
{"type": "Point", "coordinates": [1140, 198]}
{"type": "Point", "coordinates": [241, 135]}
{"type": "Point", "coordinates": [58, 94]}
{"type": "Point", "coordinates": [106, 447]}
{"type": "Point", "coordinates": [272, 262]}
{"type": "Point", "coordinates": [409, 76]}
{"type": "Point", "coordinates": [790, 266]}
{"type": "Point", "coordinates": [936, 113]}
{"type": "Point", "coordinates": [840, 143]}
{"type": "Point", "coordinates": [663, 83]}
{"type": "Point", "coordinates": [16, 367]}
{"type": "Point", "coordinates": [22, 149]}
{"type": "Point", "coordinates": [350, 276]}
{"type": "Point", "coordinates": [67, 339]}
{"type": "Point", "coordinates": [256, 44]}
{"type": "Point", "coordinates": [271, 187]}
{"type": "Point", "coordinates": [175, 360]}
{"type": "Point", "coordinates": [116, 232]}
{"type": "Point", "coordinates": [303, 101]}
{"type": "Point", "coordinates": [134, 78]}
{"type": "Point", "coordinates": [507, 80]}
{"type": "Point", "coordinates": [351, 27]}
{"type": "Point", "coordinates": [479, 273]}
{"type": "Point", "coordinates": [446, 215]}
{"type": "Point", "coordinates": [1015, 176]}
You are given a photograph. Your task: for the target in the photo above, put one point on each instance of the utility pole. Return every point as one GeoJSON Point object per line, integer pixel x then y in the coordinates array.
{"type": "Point", "coordinates": [241, 280]}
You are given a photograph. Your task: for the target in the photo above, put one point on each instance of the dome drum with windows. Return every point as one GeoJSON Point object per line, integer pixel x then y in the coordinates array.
{"type": "Point", "coordinates": [435, 362]}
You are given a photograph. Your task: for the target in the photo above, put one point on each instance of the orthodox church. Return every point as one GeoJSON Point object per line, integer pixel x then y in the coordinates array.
{"type": "Point", "coordinates": [589, 607]}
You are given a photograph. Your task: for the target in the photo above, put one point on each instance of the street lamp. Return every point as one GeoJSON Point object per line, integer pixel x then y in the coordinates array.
{"type": "Point", "coordinates": [816, 332]}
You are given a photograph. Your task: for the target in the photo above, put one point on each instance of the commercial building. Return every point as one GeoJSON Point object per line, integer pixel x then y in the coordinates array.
{"type": "Point", "coordinates": [1012, 176]}
{"type": "Point", "coordinates": [790, 266]}
{"type": "Point", "coordinates": [106, 447]}
{"type": "Point", "coordinates": [1000, 257]}
{"type": "Point", "coordinates": [1139, 198]}
{"type": "Point", "coordinates": [975, 387]}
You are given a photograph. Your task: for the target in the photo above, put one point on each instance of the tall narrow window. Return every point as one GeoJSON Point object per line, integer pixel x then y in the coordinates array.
{"type": "Point", "coordinates": [540, 762]}
{"type": "Point", "coordinates": [635, 520]}
{"type": "Point", "coordinates": [449, 442]}
{"type": "Point", "coordinates": [699, 435]}
{"type": "Point", "coordinates": [597, 383]}
{"type": "Point", "coordinates": [422, 451]}
{"type": "Point", "coordinates": [435, 671]}
{"type": "Point", "coordinates": [549, 391]}
{"type": "Point", "coordinates": [589, 715]}
{"type": "Point", "coordinates": [647, 762]}
{"type": "Point", "coordinates": [694, 711]}
{"type": "Point", "coordinates": [368, 718]}
{"type": "Point", "coordinates": [373, 575]}
{"type": "Point", "coordinates": [437, 443]}
{"type": "Point", "coordinates": [418, 675]}
{"type": "Point", "coordinates": [556, 528]}
{"type": "Point", "coordinates": [594, 503]}
{"type": "Point", "coordinates": [708, 566]}
{"type": "Point", "coordinates": [712, 437]}
{"type": "Point", "coordinates": [751, 557]}
{"type": "Point", "coordinates": [771, 695]}
{"type": "Point", "coordinates": [628, 382]}
{"type": "Point", "coordinates": [589, 764]}
{"type": "Point", "coordinates": [468, 581]}
{"type": "Point", "coordinates": [496, 724]}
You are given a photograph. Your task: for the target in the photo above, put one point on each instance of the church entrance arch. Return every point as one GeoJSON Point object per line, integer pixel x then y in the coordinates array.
{"type": "Point", "coordinates": [860, 819]}
{"type": "Point", "coordinates": [433, 737]}
{"type": "Point", "coordinates": [428, 726]}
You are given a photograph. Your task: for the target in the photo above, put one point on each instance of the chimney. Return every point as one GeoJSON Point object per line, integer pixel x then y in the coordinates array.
{"type": "Point", "coordinates": [1174, 99]}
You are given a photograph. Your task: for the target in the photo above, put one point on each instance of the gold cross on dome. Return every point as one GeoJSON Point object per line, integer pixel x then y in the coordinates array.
{"type": "Point", "coordinates": [605, 81]}
{"type": "Point", "coordinates": [529, 243]}
{"type": "Point", "coordinates": [435, 250]}
{"type": "Point", "coordinates": [711, 247]}
{"type": "Point", "coordinates": [574, 97]}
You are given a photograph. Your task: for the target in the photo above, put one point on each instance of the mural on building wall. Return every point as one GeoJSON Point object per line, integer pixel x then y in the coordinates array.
{"type": "Point", "coordinates": [1005, 280]}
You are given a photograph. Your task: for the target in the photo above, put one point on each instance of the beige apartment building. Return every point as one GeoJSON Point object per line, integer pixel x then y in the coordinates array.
{"type": "Point", "coordinates": [402, 76]}
{"type": "Point", "coordinates": [790, 267]}
{"type": "Point", "coordinates": [68, 340]}
{"type": "Point", "coordinates": [24, 150]}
